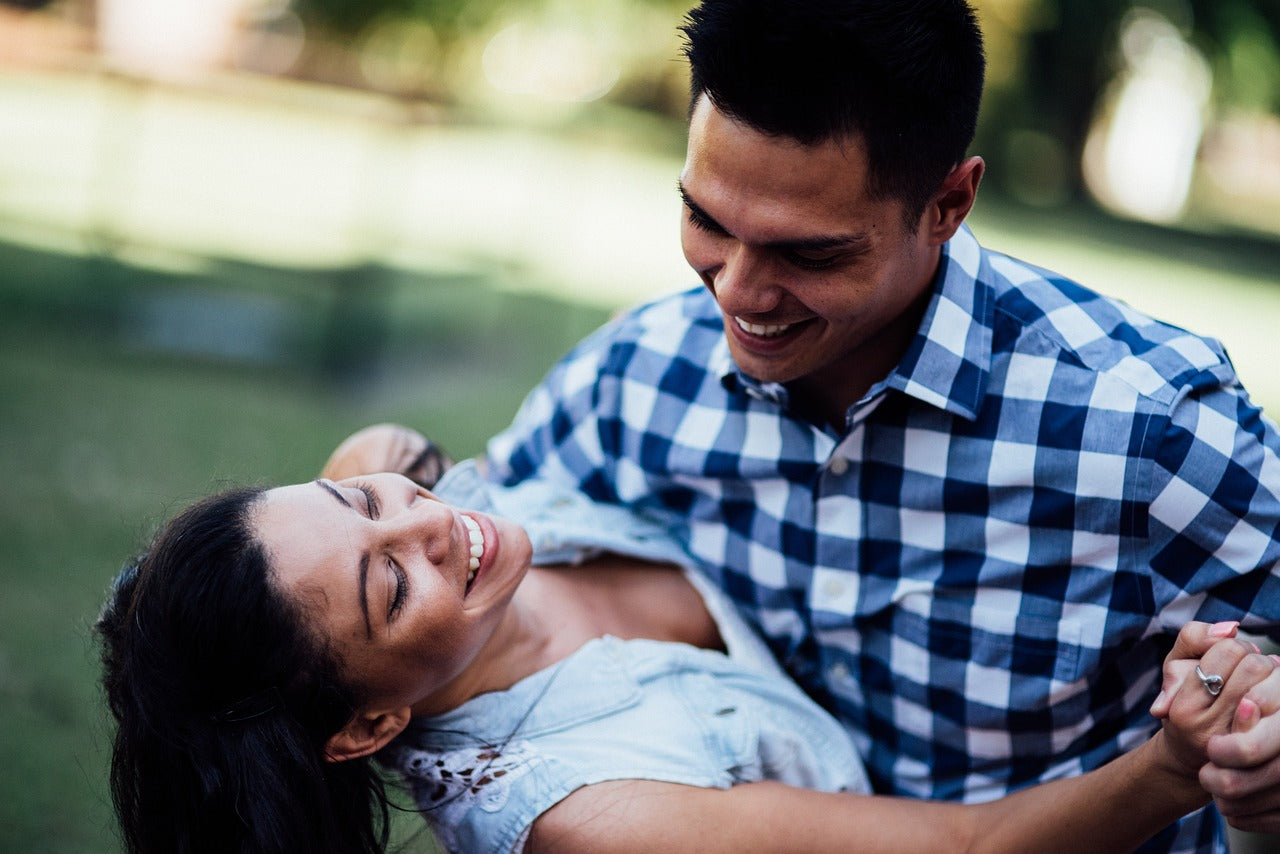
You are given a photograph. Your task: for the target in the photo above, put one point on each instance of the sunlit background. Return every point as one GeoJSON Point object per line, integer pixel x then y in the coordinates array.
{"type": "Point", "coordinates": [232, 231]}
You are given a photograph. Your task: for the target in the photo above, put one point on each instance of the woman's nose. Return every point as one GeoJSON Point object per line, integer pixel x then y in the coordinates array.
{"type": "Point", "coordinates": [430, 525]}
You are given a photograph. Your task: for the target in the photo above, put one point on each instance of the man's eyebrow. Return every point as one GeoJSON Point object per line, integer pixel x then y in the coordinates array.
{"type": "Point", "coordinates": [363, 589]}
{"type": "Point", "coordinates": [823, 243]}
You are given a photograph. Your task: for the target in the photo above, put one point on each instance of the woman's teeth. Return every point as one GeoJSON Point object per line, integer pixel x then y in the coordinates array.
{"type": "Point", "coordinates": [477, 546]}
{"type": "Point", "coordinates": [764, 330]}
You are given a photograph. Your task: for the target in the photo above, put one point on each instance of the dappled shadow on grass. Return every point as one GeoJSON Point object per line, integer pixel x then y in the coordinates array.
{"type": "Point", "coordinates": [126, 393]}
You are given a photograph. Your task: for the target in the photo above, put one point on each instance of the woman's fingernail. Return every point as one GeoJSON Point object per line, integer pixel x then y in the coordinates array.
{"type": "Point", "coordinates": [1256, 648]}
{"type": "Point", "coordinates": [1275, 658]}
{"type": "Point", "coordinates": [1247, 714]}
{"type": "Point", "coordinates": [1157, 706]}
{"type": "Point", "coordinates": [1224, 629]}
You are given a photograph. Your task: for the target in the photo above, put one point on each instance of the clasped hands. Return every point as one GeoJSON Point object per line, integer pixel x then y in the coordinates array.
{"type": "Point", "coordinates": [1243, 772]}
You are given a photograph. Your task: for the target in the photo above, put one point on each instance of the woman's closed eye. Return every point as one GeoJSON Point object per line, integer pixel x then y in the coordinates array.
{"type": "Point", "coordinates": [371, 502]}
{"type": "Point", "coordinates": [397, 590]}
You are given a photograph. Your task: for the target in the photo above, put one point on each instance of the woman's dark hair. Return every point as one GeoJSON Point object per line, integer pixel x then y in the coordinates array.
{"type": "Point", "coordinates": [224, 701]}
{"type": "Point", "coordinates": [905, 76]}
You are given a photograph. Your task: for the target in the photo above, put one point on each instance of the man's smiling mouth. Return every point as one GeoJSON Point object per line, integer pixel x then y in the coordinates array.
{"type": "Point", "coordinates": [763, 330]}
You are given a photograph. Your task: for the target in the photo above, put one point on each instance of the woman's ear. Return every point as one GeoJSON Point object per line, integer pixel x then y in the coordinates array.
{"type": "Point", "coordinates": [365, 734]}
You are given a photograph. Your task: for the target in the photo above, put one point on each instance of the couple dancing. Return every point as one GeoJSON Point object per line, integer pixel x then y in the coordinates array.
{"type": "Point", "coordinates": [990, 521]}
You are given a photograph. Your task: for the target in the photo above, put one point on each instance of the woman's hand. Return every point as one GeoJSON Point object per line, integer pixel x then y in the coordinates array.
{"type": "Point", "coordinates": [1243, 682]}
{"type": "Point", "coordinates": [388, 447]}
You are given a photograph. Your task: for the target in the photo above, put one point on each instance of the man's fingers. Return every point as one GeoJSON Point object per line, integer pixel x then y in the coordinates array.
{"type": "Point", "coordinates": [1255, 737]}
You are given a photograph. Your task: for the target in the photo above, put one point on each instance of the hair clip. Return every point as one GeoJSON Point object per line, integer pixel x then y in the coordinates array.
{"type": "Point", "coordinates": [253, 706]}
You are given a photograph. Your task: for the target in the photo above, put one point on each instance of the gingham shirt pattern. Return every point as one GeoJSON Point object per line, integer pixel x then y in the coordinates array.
{"type": "Point", "coordinates": [982, 574]}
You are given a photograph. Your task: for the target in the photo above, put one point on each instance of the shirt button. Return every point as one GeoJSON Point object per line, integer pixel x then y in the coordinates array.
{"type": "Point", "coordinates": [833, 588]}
{"type": "Point", "coordinates": [838, 672]}
{"type": "Point", "coordinates": [839, 465]}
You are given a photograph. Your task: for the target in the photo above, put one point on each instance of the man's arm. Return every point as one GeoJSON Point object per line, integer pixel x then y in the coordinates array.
{"type": "Point", "coordinates": [1217, 513]}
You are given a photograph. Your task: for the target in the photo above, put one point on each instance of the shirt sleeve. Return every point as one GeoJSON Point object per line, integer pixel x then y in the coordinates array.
{"type": "Point", "coordinates": [561, 433]}
{"type": "Point", "coordinates": [1214, 514]}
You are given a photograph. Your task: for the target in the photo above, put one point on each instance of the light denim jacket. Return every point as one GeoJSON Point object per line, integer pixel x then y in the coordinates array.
{"type": "Point", "coordinates": [615, 709]}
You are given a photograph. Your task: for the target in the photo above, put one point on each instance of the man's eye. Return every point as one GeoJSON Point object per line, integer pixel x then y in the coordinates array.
{"type": "Point", "coordinates": [702, 222]}
{"type": "Point", "coordinates": [809, 262]}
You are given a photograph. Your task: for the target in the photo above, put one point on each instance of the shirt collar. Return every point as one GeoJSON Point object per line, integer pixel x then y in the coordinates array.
{"type": "Point", "coordinates": [948, 362]}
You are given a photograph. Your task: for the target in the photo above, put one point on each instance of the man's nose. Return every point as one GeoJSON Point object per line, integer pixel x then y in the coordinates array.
{"type": "Point", "coordinates": [741, 283]}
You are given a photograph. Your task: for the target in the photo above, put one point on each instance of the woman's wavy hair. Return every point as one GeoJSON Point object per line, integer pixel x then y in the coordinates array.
{"type": "Point", "coordinates": [224, 702]}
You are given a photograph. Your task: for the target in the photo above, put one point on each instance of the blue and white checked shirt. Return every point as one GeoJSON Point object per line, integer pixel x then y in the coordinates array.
{"type": "Point", "coordinates": [981, 574]}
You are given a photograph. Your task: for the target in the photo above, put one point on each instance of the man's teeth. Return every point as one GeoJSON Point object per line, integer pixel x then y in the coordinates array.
{"type": "Point", "coordinates": [764, 330]}
{"type": "Point", "coordinates": [477, 546]}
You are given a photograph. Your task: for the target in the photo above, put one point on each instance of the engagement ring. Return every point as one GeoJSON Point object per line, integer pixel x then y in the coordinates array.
{"type": "Point", "coordinates": [1212, 682]}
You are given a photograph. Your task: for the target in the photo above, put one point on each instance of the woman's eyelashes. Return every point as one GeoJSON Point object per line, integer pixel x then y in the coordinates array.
{"type": "Point", "coordinates": [399, 589]}
{"type": "Point", "coordinates": [371, 503]}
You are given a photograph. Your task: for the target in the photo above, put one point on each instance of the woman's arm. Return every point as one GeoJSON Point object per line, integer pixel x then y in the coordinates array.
{"type": "Point", "coordinates": [1114, 808]}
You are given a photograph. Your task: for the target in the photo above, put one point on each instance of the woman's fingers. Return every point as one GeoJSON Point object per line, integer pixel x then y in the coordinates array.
{"type": "Point", "coordinates": [1210, 695]}
{"type": "Point", "coordinates": [1193, 641]}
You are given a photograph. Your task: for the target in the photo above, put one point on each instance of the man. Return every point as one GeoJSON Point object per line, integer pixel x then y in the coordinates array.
{"type": "Point", "coordinates": [968, 502]}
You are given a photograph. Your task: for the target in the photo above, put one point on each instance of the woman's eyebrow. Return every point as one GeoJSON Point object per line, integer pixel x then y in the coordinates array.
{"type": "Point", "coordinates": [364, 595]}
{"type": "Point", "coordinates": [363, 589]}
{"type": "Point", "coordinates": [333, 490]}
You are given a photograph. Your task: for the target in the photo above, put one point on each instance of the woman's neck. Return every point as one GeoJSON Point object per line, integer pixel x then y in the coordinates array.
{"type": "Point", "coordinates": [555, 611]}
{"type": "Point", "coordinates": [528, 638]}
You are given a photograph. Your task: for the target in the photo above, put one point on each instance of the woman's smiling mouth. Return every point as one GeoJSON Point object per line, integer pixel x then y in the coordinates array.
{"type": "Point", "coordinates": [476, 537]}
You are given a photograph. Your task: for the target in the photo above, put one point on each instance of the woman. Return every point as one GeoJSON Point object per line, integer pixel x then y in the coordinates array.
{"type": "Point", "coordinates": [271, 642]}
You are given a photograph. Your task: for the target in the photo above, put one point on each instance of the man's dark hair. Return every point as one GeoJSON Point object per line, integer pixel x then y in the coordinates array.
{"type": "Point", "coordinates": [903, 76]}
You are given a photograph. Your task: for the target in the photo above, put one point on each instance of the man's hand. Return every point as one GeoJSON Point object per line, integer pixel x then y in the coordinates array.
{"type": "Point", "coordinates": [1243, 774]}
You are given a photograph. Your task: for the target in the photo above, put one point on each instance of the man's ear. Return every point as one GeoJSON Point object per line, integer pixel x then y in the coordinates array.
{"type": "Point", "coordinates": [948, 209]}
{"type": "Point", "coordinates": [366, 733]}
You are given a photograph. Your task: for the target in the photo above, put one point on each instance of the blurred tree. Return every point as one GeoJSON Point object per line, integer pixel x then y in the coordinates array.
{"type": "Point", "coordinates": [349, 17]}
{"type": "Point", "coordinates": [1066, 53]}
{"type": "Point", "coordinates": [448, 17]}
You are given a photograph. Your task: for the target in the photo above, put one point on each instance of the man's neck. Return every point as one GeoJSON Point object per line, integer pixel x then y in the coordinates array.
{"type": "Point", "coordinates": [826, 395]}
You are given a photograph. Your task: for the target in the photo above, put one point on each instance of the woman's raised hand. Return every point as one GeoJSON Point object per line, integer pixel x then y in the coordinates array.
{"type": "Point", "coordinates": [1213, 684]}
{"type": "Point", "coordinates": [388, 447]}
